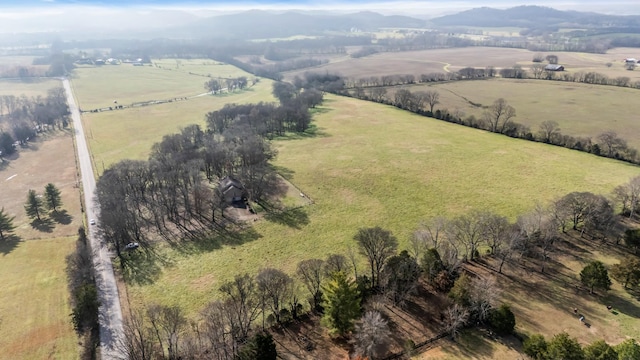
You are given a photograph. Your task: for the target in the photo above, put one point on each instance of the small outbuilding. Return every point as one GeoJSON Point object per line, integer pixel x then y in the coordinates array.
{"type": "Point", "coordinates": [554, 67]}
{"type": "Point", "coordinates": [231, 190]}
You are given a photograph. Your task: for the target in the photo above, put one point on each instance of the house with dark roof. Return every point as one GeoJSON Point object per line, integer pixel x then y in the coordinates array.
{"type": "Point", "coordinates": [554, 67]}
{"type": "Point", "coordinates": [231, 190]}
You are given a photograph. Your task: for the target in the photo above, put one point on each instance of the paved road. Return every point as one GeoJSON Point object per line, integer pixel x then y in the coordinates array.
{"type": "Point", "coordinates": [111, 329]}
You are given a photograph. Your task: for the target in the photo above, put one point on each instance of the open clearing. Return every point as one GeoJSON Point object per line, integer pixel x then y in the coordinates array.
{"type": "Point", "coordinates": [582, 110]}
{"type": "Point", "coordinates": [375, 165]}
{"type": "Point", "coordinates": [454, 59]}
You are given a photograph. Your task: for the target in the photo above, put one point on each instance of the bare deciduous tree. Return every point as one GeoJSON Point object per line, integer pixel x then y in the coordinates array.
{"type": "Point", "coordinates": [276, 288]}
{"type": "Point", "coordinates": [467, 231]}
{"type": "Point", "coordinates": [484, 293]}
{"type": "Point", "coordinates": [311, 272]}
{"type": "Point", "coordinates": [168, 323]}
{"type": "Point", "coordinates": [242, 305]}
{"type": "Point", "coordinates": [456, 317]}
{"type": "Point", "coordinates": [499, 115]}
{"type": "Point", "coordinates": [377, 245]}
{"type": "Point", "coordinates": [137, 342]}
{"type": "Point", "coordinates": [432, 98]}
{"type": "Point", "coordinates": [335, 263]}
{"type": "Point", "coordinates": [372, 334]}
{"type": "Point", "coordinates": [549, 130]}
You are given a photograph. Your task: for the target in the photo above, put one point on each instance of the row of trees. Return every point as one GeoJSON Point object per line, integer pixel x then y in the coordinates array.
{"type": "Point", "coordinates": [24, 116]}
{"type": "Point", "coordinates": [218, 85]}
{"type": "Point", "coordinates": [498, 118]}
{"type": "Point", "coordinates": [562, 346]}
{"type": "Point", "coordinates": [84, 296]}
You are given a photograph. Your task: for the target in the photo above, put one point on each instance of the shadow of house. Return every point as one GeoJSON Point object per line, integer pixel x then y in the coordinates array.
{"type": "Point", "coordinates": [231, 191]}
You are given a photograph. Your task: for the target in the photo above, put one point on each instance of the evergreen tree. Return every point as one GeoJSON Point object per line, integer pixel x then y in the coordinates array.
{"type": "Point", "coordinates": [600, 350]}
{"type": "Point", "coordinates": [34, 206]}
{"type": "Point", "coordinates": [52, 197]}
{"type": "Point", "coordinates": [6, 224]}
{"type": "Point", "coordinates": [628, 350]}
{"type": "Point", "coordinates": [535, 347]}
{"type": "Point", "coordinates": [564, 347]}
{"type": "Point", "coordinates": [261, 347]}
{"type": "Point", "coordinates": [595, 275]}
{"type": "Point", "coordinates": [503, 320]}
{"type": "Point", "coordinates": [461, 291]}
{"type": "Point", "coordinates": [342, 304]}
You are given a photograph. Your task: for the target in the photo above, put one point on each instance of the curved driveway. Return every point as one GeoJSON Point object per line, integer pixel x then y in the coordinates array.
{"type": "Point", "coordinates": [111, 329]}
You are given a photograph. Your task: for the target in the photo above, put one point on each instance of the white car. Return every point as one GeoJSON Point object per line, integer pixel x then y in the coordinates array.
{"type": "Point", "coordinates": [92, 221]}
{"type": "Point", "coordinates": [131, 246]}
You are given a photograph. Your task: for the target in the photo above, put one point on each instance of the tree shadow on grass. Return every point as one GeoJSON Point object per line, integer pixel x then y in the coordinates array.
{"type": "Point", "coordinates": [43, 224]}
{"type": "Point", "coordinates": [142, 266]}
{"type": "Point", "coordinates": [312, 132]}
{"type": "Point", "coordinates": [61, 217]}
{"type": "Point", "coordinates": [295, 217]}
{"type": "Point", "coordinates": [470, 344]}
{"type": "Point", "coordinates": [620, 305]}
{"type": "Point", "coordinates": [215, 241]}
{"type": "Point", "coordinates": [9, 243]}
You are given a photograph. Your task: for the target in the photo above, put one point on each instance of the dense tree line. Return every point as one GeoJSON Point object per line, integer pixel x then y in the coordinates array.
{"type": "Point", "coordinates": [562, 346]}
{"type": "Point", "coordinates": [24, 117]}
{"type": "Point", "coordinates": [84, 296]}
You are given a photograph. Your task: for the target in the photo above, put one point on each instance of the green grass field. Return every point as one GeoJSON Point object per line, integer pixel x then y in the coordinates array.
{"type": "Point", "coordinates": [130, 133]}
{"type": "Point", "coordinates": [580, 109]}
{"type": "Point", "coordinates": [34, 302]}
{"type": "Point", "coordinates": [374, 165]}
{"type": "Point", "coordinates": [99, 87]}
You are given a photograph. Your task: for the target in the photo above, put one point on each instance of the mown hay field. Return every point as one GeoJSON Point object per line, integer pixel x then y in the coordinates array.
{"type": "Point", "coordinates": [129, 133]}
{"type": "Point", "coordinates": [375, 165]}
{"type": "Point", "coordinates": [99, 86]}
{"type": "Point", "coordinates": [34, 302]}
{"type": "Point", "coordinates": [580, 109]}
{"type": "Point", "coordinates": [28, 87]}
{"type": "Point", "coordinates": [454, 59]}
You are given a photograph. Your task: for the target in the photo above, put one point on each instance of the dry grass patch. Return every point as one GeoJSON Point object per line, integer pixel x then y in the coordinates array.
{"type": "Point", "coordinates": [48, 159]}
{"type": "Point", "coordinates": [454, 59]}
{"type": "Point", "coordinates": [580, 109]}
{"type": "Point", "coordinates": [34, 302]}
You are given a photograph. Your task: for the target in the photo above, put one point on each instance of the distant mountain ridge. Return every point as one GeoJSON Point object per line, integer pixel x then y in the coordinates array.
{"type": "Point", "coordinates": [534, 16]}
{"type": "Point", "coordinates": [259, 24]}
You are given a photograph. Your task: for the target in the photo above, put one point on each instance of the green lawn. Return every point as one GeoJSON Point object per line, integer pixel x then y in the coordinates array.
{"type": "Point", "coordinates": [34, 302]}
{"type": "Point", "coordinates": [580, 109]}
{"type": "Point", "coordinates": [375, 165]}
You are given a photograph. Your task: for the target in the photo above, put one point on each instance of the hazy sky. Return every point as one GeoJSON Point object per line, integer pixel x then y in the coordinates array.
{"type": "Point", "coordinates": [408, 6]}
{"type": "Point", "coordinates": [70, 15]}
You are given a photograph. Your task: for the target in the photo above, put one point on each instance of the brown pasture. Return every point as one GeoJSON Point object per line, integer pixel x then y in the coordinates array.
{"type": "Point", "coordinates": [48, 159]}
{"type": "Point", "coordinates": [580, 109]}
{"type": "Point", "coordinates": [454, 59]}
